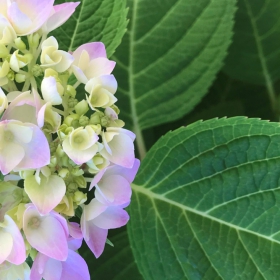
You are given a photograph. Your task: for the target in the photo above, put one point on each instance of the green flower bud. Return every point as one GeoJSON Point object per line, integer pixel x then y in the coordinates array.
{"type": "Point", "coordinates": [96, 128]}
{"type": "Point", "coordinates": [84, 120]}
{"type": "Point", "coordinates": [105, 121]}
{"type": "Point", "coordinates": [27, 58]}
{"type": "Point", "coordinates": [79, 197]}
{"type": "Point", "coordinates": [11, 75]}
{"type": "Point", "coordinates": [77, 172]}
{"type": "Point", "coordinates": [20, 44]}
{"type": "Point", "coordinates": [115, 108]}
{"type": "Point", "coordinates": [33, 40]}
{"type": "Point", "coordinates": [20, 78]}
{"type": "Point", "coordinates": [81, 181]}
{"type": "Point", "coordinates": [72, 187]}
{"type": "Point", "coordinates": [82, 107]}
{"type": "Point", "coordinates": [69, 119]}
{"type": "Point", "coordinates": [37, 70]}
{"type": "Point", "coordinates": [72, 102]}
{"type": "Point", "coordinates": [59, 151]}
{"type": "Point", "coordinates": [3, 51]}
{"type": "Point", "coordinates": [75, 123]}
{"type": "Point", "coordinates": [53, 161]}
{"type": "Point", "coordinates": [96, 118]}
{"type": "Point", "coordinates": [63, 173]}
{"type": "Point", "coordinates": [71, 91]}
{"type": "Point", "coordinates": [25, 173]}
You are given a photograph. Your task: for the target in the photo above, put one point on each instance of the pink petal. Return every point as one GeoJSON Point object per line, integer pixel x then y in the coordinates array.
{"type": "Point", "coordinates": [74, 244]}
{"type": "Point", "coordinates": [38, 11]}
{"type": "Point", "coordinates": [45, 234]}
{"type": "Point", "coordinates": [75, 230]}
{"type": "Point", "coordinates": [97, 178]}
{"type": "Point", "coordinates": [99, 66]}
{"type": "Point", "coordinates": [45, 267]}
{"type": "Point", "coordinates": [93, 209]}
{"type": "Point", "coordinates": [6, 245]}
{"type": "Point", "coordinates": [20, 21]}
{"type": "Point", "coordinates": [122, 151]}
{"type": "Point", "coordinates": [94, 236]}
{"type": "Point", "coordinates": [95, 50]}
{"type": "Point", "coordinates": [61, 15]}
{"type": "Point", "coordinates": [10, 157]}
{"type": "Point", "coordinates": [37, 152]}
{"type": "Point", "coordinates": [113, 190]}
{"type": "Point", "coordinates": [74, 268]}
{"type": "Point", "coordinates": [17, 255]}
{"type": "Point", "coordinates": [128, 173]}
{"type": "Point", "coordinates": [112, 217]}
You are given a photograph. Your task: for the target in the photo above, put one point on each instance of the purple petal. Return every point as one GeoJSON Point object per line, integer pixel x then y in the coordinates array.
{"type": "Point", "coordinates": [128, 173]}
{"type": "Point", "coordinates": [37, 152]}
{"type": "Point", "coordinates": [113, 190]}
{"type": "Point", "coordinates": [112, 217]}
{"type": "Point", "coordinates": [17, 255]}
{"type": "Point", "coordinates": [74, 268]}
{"type": "Point", "coordinates": [45, 234]}
{"type": "Point", "coordinates": [94, 236]}
{"type": "Point", "coordinates": [61, 15]}
{"type": "Point", "coordinates": [38, 11]}
{"type": "Point", "coordinates": [45, 267]}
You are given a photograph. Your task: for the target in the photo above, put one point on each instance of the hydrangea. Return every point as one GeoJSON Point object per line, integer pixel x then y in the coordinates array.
{"type": "Point", "coordinates": [56, 147]}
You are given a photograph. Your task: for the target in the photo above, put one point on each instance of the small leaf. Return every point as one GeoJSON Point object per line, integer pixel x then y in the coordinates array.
{"type": "Point", "coordinates": [170, 57]}
{"type": "Point", "coordinates": [94, 21]}
{"type": "Point", "coordinates": [206, 203]}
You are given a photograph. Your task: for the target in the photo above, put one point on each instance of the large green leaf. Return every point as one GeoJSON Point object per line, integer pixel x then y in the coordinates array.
{"type": "Point", "coordinates": [169, 57]}
{"type": "Point", "coordinates": [206, 203]}
{"type": "Point", "coordinates": [94, 21]}
{"type": "Point", "coordinates": [254, 54]}
{"type": "Point", "coordinates": [116, 263]}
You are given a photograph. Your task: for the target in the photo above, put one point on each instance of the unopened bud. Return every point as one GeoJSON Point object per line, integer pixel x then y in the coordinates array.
{"type": "Point", "coordinates": [82, 107]}
{"type": "Point", "coordinates": [3, 51]}
{"type": "Point", "coordinates": [115, 108]}
{"type": "Point", "coordinates": [63, 173]}
{"type": "Point", "coordinates": [53, 161]}
{"type": "Point", "coordinates": [72, 102]}
{"type": "Point", "coordinates": [84, 120]}
{"type": "Point", "coordinates": [77, 172]}
{"type": "Point", "coordinates": [71, 91]}
{"type": "Point", "coordinates": [69, 119]}
{"type": "Point", "coordinates": [105, 121]}
{"type": "Point", "coordinates": [81, 181]}
{"type": "Point", "coordinates": [37, 70]}
{"type": "Point", "coordinates": [59, 151]}
{"type": "Point", "coordinates": [20, 78]}
{"type": "Point", "coordinates": [20, 44]}
{"type": "Point", "coordinates": [11, 75]}
{"type": "Point", "coordinates": [96, 118]}
{"type": "Point", "coordinates": [33, 40]}
{"type": "Point", "coordinates": [79, 197]}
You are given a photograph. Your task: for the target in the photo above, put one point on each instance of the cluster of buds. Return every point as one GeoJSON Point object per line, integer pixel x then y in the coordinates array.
{"type": "Point", "coordinates": [64, 158]}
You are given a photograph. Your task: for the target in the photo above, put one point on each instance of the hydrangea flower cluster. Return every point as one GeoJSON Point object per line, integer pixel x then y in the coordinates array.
{"type": "Point", "coordinates": [61, 157]}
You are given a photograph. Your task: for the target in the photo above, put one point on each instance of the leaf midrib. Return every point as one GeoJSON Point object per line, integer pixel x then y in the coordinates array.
{"type": "Point", "coordinates": [267, 77]}
{"type": "Point", "coordinates": [153, 196]}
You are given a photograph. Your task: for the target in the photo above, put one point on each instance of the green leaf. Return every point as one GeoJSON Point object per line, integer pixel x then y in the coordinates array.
{"type": "Point", "coordinates": [206, 203]}
{"type": "Point", "coordinates": [254, 54]}
{"type": "Point", "coordinates": [116, 263]}
{"type": "Point", "coordinates": [94, 21]}
{"type": "Point", "coordinates": [169, 57]}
